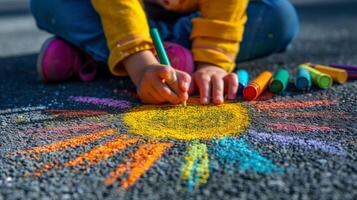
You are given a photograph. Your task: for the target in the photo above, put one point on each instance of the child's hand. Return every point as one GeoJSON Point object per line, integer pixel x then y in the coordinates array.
{"type": "Point", "coordinates": [213, 81]}
{"type": "Point", "coordinates": [158, 83]}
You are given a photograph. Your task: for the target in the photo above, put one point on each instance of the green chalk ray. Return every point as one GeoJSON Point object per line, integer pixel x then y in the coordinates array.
{"type": "Point", "coordinates": [196, 168]}
{"type": "Point", "coordinates": [235, 153]}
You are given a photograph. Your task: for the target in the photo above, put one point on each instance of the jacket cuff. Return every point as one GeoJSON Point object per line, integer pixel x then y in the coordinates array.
{"type": "Point", "coordinates": [125, 48]}
{"type": "Point", "coordinates": [215, 51]}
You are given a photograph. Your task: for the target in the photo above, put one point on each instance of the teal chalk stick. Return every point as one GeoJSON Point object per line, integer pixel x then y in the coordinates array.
{"type": "Point", "coordinates": [159, 47]}
{"type": "Point", "coordinates": [303, 79]}
{"type": "Point", "coordinates": [243, 80]}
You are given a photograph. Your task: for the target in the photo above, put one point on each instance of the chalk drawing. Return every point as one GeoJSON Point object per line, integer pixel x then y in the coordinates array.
{"type": "Point", "coordinates": [296, 127]}
{"type": "Point", "coordinates": [69, 143]}
{"type": "Point", "coordinates": [196, 168]}
{"type": "Point", "coordinates": [294, 104]}
{"type": "Point", "coordinates": [235, 154]}
{"type": "Point", "coordinates": [326, 115]}
{"type": "Point", "coordinates": [136, 164]}
{"type": "Point", "coordinates": [284, 140]}
{"type": "Point", "coordinates": [192, 122]}
{"type": "Point", "coordinates": [121, 104]}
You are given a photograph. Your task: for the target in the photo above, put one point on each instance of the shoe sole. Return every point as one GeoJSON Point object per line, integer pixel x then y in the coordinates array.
{"type": "Point", "coordinates": [40, 58]}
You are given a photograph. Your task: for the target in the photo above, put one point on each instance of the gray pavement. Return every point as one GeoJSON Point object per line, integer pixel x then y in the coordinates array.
{"type": "Point", "coordinates": [297, 146]}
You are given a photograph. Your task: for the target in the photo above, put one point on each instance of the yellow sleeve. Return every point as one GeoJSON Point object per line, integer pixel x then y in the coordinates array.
{"type": "Point", "coordinates": [126, 30]}
{"type": "Point", "coordinates": [217, 34]}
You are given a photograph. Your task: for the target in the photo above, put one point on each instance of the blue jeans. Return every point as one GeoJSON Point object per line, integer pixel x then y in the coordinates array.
{"type": "Point", "coordinates": [271, 26]}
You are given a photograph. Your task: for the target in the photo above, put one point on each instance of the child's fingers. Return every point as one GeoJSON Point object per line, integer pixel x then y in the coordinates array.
{"type": "Point", "coordinates": [165, 93]}
{"type": "Point", "coordinates": [204, 85]}
{"type": "Point", "coordinates": [184, 81]}
{"type": "Point", "coordinates": [166, 73]}
{"type": "Point", "coordinates": [217, 89]}
{"type": "Point", "coordinates": [231, 83]}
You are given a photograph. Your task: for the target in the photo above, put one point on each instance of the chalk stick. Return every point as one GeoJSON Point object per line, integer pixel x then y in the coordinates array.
{"type": "Point", "coordinates": [257, 87]}
{"type": "Point", "coordinates": [321, 80]}
{"type": "Point", "coordinates": [243, 79]}
{"type": "Point", "coordinates": [303, 79]}
{"type": "Point", "coordinates": [280, 81]}
{"type": "Point", "coordinates": [338, 75]}
{"type": "Point", "coordinates": [351, 70]}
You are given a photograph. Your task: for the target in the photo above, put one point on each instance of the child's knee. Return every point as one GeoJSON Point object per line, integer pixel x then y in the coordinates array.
{"type": "Point", "coordinates": [287, 21]}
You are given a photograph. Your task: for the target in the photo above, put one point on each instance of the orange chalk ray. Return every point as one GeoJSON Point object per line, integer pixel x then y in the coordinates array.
{"type": "Point", "coordinates": [138, 163]}
{"type": "Point", "coordinates": [67, 128]}
{"type": "Point", "coordinates": [294, 104]}
{"type": "Point", "coordinates": [103, 151]}
{"type": "Point", "coordinates": [76, 113]}
{"type": "Point", "coordinates": [70, 143]}
{"type": "Point", "coordinates": [329, 115]}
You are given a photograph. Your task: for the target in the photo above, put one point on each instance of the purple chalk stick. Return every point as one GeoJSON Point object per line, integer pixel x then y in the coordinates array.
{"type": "Point", "coordinates": [102, 101]}
{"type": "Point", "coordinates": [346, 67]}
{"type": "Point", "coordinates": [331, 148]}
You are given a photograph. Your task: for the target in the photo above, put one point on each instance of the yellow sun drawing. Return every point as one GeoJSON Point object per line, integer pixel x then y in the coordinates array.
{"type": "Point", "coordinates": [188, 123]}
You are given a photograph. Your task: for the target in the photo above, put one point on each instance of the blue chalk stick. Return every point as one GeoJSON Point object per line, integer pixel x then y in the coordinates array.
{"type": "Point", "coordinates": [243, 79]}
{"type": "Point", "coordinates": [303, 79]}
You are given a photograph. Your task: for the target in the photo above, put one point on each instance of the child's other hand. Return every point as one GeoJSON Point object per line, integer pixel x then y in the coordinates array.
{"type": "Point", "coordinates": [158, 84]}
{"type": "Point", "coordinates": [213, 81]}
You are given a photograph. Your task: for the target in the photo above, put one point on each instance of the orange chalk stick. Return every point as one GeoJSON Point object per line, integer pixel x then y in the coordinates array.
{"type": "Point", "coordinates": [257, 87]}
{"type": "Point", "coordinates": [338, 75]}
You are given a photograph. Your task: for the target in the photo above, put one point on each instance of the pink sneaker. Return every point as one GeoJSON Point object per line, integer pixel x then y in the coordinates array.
{"type": "Point", "coordinates": [180, 57]}
{"type": "Point", "coordinates": [59, 61]}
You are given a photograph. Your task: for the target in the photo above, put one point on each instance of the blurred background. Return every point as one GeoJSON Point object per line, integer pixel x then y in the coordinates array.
{"type": "Point", "coordinates": [19, 35]}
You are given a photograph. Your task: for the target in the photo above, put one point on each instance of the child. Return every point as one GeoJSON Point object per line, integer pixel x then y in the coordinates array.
{"type": "Point", "coordinates": [116, 32]}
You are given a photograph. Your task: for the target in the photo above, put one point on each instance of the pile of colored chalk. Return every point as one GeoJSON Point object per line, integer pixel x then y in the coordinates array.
{"type": "Point", "coordinates": [308, 74]}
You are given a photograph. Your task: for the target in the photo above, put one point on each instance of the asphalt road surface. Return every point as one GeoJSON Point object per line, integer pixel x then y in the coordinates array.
{"type": "Point", "coordinates": [94, 140]}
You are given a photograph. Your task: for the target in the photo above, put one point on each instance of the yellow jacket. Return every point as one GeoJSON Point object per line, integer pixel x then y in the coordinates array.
{"type": "Point", "coordinates": [215, 35]}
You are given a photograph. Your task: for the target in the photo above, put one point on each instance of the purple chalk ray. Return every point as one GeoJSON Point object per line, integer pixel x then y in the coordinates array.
{"type": "Point", "coordinates": [114, 103]}
{"type": "Point", "coordinates": [324, 146]}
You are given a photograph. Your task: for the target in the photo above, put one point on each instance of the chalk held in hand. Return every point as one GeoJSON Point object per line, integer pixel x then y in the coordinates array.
{"type": "Point", "coordinates": [257, 87]}
{"type": "Point", "coordinates": [280, 81]}
{"type": "Point", "coordinates": [321, 80]}
{"type": "Point", "coordinates": [338, 75]}
{"type": "Point", "coordinates": [161, 53]}
{"type": "Point", "coordinates": [303, 79]}
{"type": "Point", "coordinates": [243, 79]}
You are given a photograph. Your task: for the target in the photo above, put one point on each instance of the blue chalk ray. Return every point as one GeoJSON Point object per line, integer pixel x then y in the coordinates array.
{"type": "Point", "coordinates": [233, 154]}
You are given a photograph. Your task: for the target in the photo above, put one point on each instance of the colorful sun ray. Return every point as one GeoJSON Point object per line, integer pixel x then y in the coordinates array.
{"type": "Point", "coordinates": [317, 145]}
{"type": "Point", "coordinates": [114, 103]}
{"type": "Point", "coordinates": [70, 143]}
{"type": "Point", "coordinates": [66, 129]}
{"type": "Point", "coordinates": [137, 163]}
{"type": "Point", "coordinates": [76, 113]}
{"type": "Point", "coordinates": [103, 152]}
{"type": "Point", "coordinates": [328, 115]}
{"type": "Point", "coordinates": [235, 153]}
{"type": "Point", "coordinates": [196, 168]}
{"type": "Point", "coordinates": [296, 127]}
{"type": "Point", "coordinates": [294, 104]}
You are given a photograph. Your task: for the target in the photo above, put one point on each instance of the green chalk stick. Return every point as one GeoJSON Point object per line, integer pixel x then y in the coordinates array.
{"type": "Point", "coordinates": [280, 81]}
{"type": "Point", "coordinates": [159, 47]}
{"type": "Point", "coordinates": [321, 80]}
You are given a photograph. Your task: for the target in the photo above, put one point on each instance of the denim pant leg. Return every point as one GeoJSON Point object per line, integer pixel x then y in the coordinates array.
{"type": "Point", "coordinates": [74, 21]}
{"type": "Point", "coordinates": [271, 26]}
